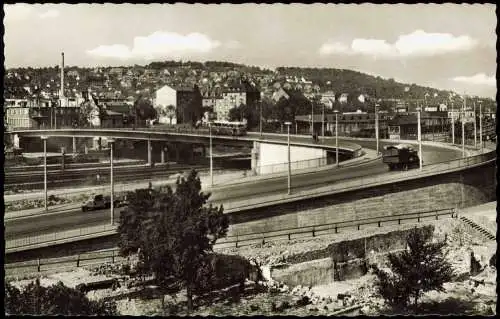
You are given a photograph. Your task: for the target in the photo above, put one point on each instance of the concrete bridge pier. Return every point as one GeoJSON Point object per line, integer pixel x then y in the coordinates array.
{"type": "Point", "coordinates": [74, 144]}
{"type": "Point", "coordinates": [255, 157]}
{"type": "Point", "coordinates": [63, 151]}
{"type": "Point", "coordinates": [150, 148]}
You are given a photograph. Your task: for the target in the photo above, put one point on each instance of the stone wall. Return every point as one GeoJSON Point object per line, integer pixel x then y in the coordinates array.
{"type": "Point", "coordinates": [342, 260]}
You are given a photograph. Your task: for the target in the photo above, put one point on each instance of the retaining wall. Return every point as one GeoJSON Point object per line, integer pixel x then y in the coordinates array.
{"type": "Point", "coordinates": [342, 260]}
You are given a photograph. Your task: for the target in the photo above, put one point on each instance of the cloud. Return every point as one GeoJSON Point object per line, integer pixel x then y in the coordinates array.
{"type": "Point", "coordinates": [159, 44]}
{"type": "Point", "coordinates": [233, 44]}
{"type": "Point", "coordinates": [18, 11]}
{"type": "Point", "coordinates": [479, 79]}
{"type": "Point", "coordinates": [418, 43]}
{"type": "Point", "coordinates": [333, 48]}
{"type": "Point", "coordinates": [49, 14]}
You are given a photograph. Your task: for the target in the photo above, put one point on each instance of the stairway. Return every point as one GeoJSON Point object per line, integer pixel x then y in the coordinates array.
{"type": "Point", "coordinates": [483, 232]}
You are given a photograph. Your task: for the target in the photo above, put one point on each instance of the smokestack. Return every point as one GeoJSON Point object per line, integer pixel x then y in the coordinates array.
{"type": "Point", "coordinates": [62, 75]}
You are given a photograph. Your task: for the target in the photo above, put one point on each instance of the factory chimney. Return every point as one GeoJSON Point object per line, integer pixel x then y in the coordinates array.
{"type": "Point", "coordinates": [62, 76]}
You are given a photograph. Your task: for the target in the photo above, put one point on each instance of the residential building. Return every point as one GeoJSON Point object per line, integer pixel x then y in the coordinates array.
{"type": "Point", "coordinates": [280, 93]}
{"type": "Point", "coordinates": [187, 102]}
{"type": "Point", "coordinates": [343, 97]}
{"type": "Point", "coordinates": [234, 95]}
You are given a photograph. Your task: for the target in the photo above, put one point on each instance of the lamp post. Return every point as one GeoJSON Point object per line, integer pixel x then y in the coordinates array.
{"type": "Point", "coordinates": [312, 118]}
{"type": "Point", "coordinates": [44, 139]}
{"type": "Point", "coordinates": [376, 127]}
{"type": "Point", "coordinates": [336, 137]}
{"type": "Point", "coordinates": [452, 124]}
{"type": "Point", "coordinates": [112, 204]}
{"type": "Point", "coordinates": [463, 127]}
{"type": "Point", "coordinates": [475, 126]}
{"type": "Point", "coordinates": [260, 122]}
{"type": "Point", "coordinates": [323, 121]}
{"type": "Point", "coordinates": [211, 156]}
{"type": "Point", "coordinates": [481, 125]}
{"type": "Point", "coordinates": [289, 164]}
{"type": "Point", "coordinates": [419, 139]}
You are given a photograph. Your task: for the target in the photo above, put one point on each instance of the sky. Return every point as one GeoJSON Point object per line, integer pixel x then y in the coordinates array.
{"type": "Point", "coordinates": [446, 46]}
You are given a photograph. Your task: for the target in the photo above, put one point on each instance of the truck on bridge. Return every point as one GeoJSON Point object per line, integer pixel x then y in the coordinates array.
{"type": "Point", "coordinates": [400, 156]}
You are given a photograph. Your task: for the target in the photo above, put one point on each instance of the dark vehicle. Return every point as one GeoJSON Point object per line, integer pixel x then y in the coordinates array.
{"type": "Point", "coordinates": [400, 156]}
{"type": "Point", "coordinates": [98, 202]}
{"type": "Point", "coordinates": [103, 202]}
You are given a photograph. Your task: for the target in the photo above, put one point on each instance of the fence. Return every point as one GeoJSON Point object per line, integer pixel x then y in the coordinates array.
{"type": "Point", "coordinates": [239, 240]}
{"type": "Point", "coordinates": [81, 233]}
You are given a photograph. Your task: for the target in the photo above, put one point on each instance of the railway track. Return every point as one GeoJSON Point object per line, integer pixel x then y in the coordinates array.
{"type": "Point", "coordinates": [58, 179]}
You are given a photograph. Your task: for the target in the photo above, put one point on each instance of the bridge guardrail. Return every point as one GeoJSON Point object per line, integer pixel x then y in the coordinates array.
{"type": "Point", "coordinates": [352, 184]}
{"type": "Point", "coordinates": [238, 240]}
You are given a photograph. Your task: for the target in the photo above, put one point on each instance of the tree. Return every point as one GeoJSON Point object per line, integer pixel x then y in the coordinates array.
{"type": "Point", "coordinates": [420, 268]}
{"type": "Point", "coordinates": [170, 112]}
{"type": "Point", "coordinates": [144, 109]}
{"type": "Point", "coordinates": [57, 299]}
{"type": "Point", "coordinates": [174, 231]}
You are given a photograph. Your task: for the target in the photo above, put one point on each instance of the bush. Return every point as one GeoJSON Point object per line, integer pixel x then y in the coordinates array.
{"type": "Point", "coordinates": [421, 268]}
{"type": "Point", "coordinates": [57, 299]}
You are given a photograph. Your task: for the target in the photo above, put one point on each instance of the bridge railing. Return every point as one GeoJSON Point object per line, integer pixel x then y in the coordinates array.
{"type": "Point", "coordinates": [12, 243]}
{"type": "Point", "coordinates": [237, 240]}
{"type": "Point", "coordinates": [355, 183]}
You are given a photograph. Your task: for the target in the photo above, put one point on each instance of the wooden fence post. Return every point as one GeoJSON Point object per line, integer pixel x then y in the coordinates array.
{"type": "Point", "coordinates": [263, 240]}
{"type": "Point", "coordinates": [399, 221]}
{"type": "Point", "coordinates": [336, 230]}
{"type": "Point", "coordinates": [358, 226]}
{"type": "Point", "coordinates": [314, 235]}
{"type": "Point", "coordinates": [113, 256]}
{"type": "Point", "coordinates": [437, 216]}
{"type": "Point", "coordinates": [78, 261]}
{"type": "Point", "coordinates": [379, 223]}
{"type": "Point", "coordinates": [289, 236]}
{"type": "Point", "coordinates": [236, 241]}
{"type": "Point", "coordinates": [38, 264]}
{"type": "Point", "coordinates": [418, 219]}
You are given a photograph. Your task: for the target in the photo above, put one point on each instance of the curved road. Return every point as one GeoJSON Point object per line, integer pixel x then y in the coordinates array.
{"type": "Point", "coordinates": [61, 221]}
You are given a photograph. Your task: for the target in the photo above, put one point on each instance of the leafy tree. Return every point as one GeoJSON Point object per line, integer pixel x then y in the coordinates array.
{"type": "Point", "coordinates": [173, 231]}
{"type": "Point", "coordinates": [57, 299]}
{"type": "Point", "coordinates": [144, 109]}
{"type": "Point", "coordinates": [421, 268]}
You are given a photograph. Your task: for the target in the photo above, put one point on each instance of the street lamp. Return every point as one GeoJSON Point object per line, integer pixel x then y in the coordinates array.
{"type": "Point", "coordinates": [211, 156]}
{"type": "Point", "coordinates": [463, 127]}
{"type": "Point", "coordinates": [419, 139]}
{"type": "Point", "coordinates": [475, 126]}
{"type": "Point", "coordinates": [44, 139]}
{"type": "Point", "coordinates": [312, 118]}
{"type": "Point", "coordinates": [336, 137]}
{"type": "Point", "coordinates": [260, 123]}
{"type": "Point", "coordinates": [376, 126]}
{"type": "Point", "coordinates": [323, 121]}
{"type": "Point", "coordinates": [481, 125]}
{"type": "Point", "coordinates": [289, 165]}
{"type": "Point", "coordinates": [112, 204]}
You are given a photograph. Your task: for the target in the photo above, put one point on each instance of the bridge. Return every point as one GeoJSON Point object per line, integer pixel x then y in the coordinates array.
{"type": "Point", "coordinates": [267, 150]}
{"type": "Point", "coordinates": [362, 191]}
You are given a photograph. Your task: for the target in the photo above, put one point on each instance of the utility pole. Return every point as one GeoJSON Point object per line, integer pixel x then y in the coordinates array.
{"type": "Point", "coordinates": [323, 122]}
{"type": "Point", "coordinates": [288, 124]}
{"type": "Point", "coordinates": [419, 138]}
{"type": "Point", "coordinates": [481, 125]}
{"type": "Point", "coordinates": [376, 127]}
{"type": "Point", "coordinates": [44, 139]}
{"type": "Point", "coordinates": [112, 142]}
{"type": "Point", "coordinates": [463, 127]}
{"type": "Point", "coordinates": [475, 126]}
